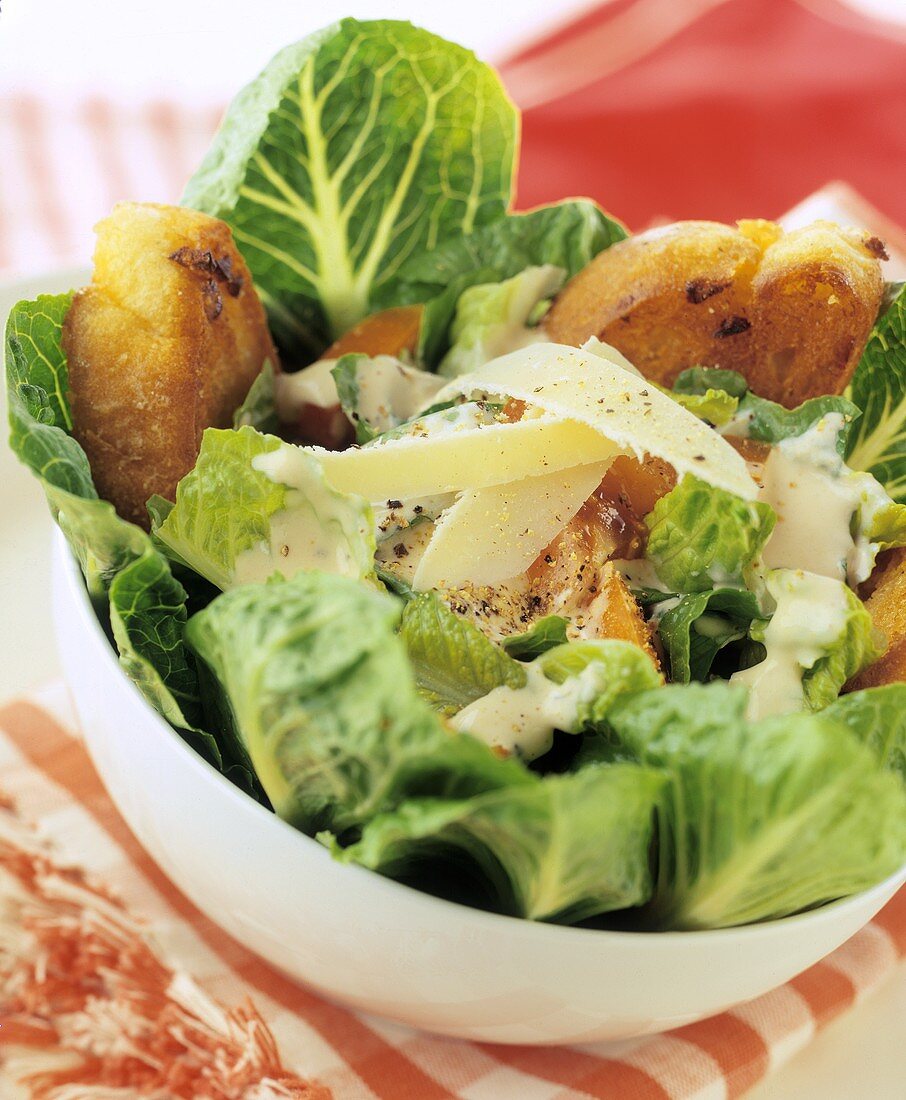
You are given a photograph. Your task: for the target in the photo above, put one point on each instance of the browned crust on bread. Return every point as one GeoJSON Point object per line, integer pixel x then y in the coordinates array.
{"type": "Point", "coordinates": [790, 311]}
{"type": "Point", "coordinates": [164, 343]}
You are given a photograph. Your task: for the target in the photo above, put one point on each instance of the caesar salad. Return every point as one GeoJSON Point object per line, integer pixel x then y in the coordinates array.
{"type": "Point", "coordinates": [549, 568]}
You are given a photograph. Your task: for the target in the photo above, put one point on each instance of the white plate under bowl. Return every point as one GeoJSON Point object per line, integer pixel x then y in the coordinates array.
{"type": "Point", "coordinates": [379, 946]}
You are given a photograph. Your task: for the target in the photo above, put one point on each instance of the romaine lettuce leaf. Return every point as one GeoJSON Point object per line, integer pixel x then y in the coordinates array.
{"type": "Point", "coordinates": [715, 406]}
{"type": "Point", "coordinates": [758, 418]}
{"type": "Point", "coordinates": [877, 717]}
{"type": "Point", "coordinates": [878, 387]}
{"type": "Point", "coordinates": [492, 318]}
{"type": "Point", "coordinates": [346, 376]}
{"type": "Point", "coordinates": [818, 637]}
{"type": "Point", "coordinates": [40, 423]}
{"type": "Point", "coordinates": [259, 409]}
{"type": "Point", "coordinates": [564, 848]}
{"type": "Point", "coordinates": [125, 574]}
{"type": "Point", "coordinates": [453, 661]}
{"type": "Point", "coordinates": [235, 521]}
{"type": "Point", "coordinates": [608, 668]}
{"type": "Point", "coordinates": [147, 619]}
{"type": "Point", "coordinates": [886, 527]}
{"type": "Point", "coordinates": [694, 628]}
{"type": "Point", "coordinates": [356, 148]}
{"type": "Point", "coordinates": [543, 635]}
{"type": "Point", "coordinates": [757, 820]}
{"type": "Point", "coordinates": [38, 385]}
{"type": "Point", "coordinates": [700, 537]}
{"type": "Point", "coordinates": [771, 423]}
{"type": "Point", "coordinates": [566, 234]}
{"type": "Point", "coordinates": [311, 678]}
{"type": "Point", "coordinates": [697, 381]}
{"type": "Point", "coordinates": [858, 644]}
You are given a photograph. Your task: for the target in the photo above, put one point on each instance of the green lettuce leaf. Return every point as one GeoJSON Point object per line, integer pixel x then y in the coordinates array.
{"type": "Point", "coordinates": [700, 537]}
{"type": "Point", "coordinates": [757, 820]}
{"type": "Point", "coordinates": [566, 234]}
{"type": "Point", "coordinates": [259, 409]}
{"type": "Point", "coordinates": [346, 376]}
{"type": "Point", "coordinates": [697, 381]}
{"type": "Point", "coordinates": [877, 717]}
{"type": "Point", "coordinates": [492, 318]}
{"type": "Point", "coordinates": [543, 635]}
{"type": "Point", "coordinates": [715, 406]}
{"type": "Point", "coordinates": [564, 848]}
{"type": "Point", "coordinates": [356, 148]}
{"type": "Point", "coordinates": [756, 417]}
{"type": "Point", "coordinates": [453, 661]}
{"type": "Point", "coordinates": [310, 677]}
{"type": "Point", "coordinates": [147, 619]}
{"type": "Point", "coordinates": [38, 387]}
{"type": "Point", "coordinates": [878, 387]}
{"type": "Point", "coordinates": [228, 521]}
{"type": "Point", "coordinates": [818, 637]}
{"type": "Point", "coordinates": [887, 527]}
{"type": "Point", "coordinates": [40, 422]}
{"type": "Point", "coordinates": [695, 628]}
{"type": "Point", "coordinates": [858, 645]}
{"type": "Point", "coordinates": [607, 669]}
{"type": "Point", "coordinates": [125, 574]}
{"type": "Point", "coordinates": [772, 423]}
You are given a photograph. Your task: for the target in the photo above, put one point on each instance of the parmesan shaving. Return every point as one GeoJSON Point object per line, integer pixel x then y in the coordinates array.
{"type": "Point", "coordinates": [594, 390]}
{"type": "Point", "coordinates": [464, 459]}
{"type": "Point", "coordinates": [495, 533]}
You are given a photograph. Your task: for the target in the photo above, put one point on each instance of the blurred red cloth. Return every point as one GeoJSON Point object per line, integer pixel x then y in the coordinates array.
{"type": "Point", "coordinates": [713, 109]}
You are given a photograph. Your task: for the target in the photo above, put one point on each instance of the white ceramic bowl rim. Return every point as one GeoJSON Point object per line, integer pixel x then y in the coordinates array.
{"type": "Point", "coordinates": [544, 931]}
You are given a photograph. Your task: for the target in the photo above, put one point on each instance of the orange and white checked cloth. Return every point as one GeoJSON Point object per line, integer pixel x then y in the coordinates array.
{"type": "Point", "coordinates": [148, 998]}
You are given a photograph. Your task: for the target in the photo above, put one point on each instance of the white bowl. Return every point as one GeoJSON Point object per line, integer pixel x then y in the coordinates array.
{"type": "Point", "coordinates": [382, 947]}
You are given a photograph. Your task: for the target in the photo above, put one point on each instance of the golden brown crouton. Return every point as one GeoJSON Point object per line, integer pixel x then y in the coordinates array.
{"type": "Point", "coordinates": [164, 343]}
{"type": "Point", "coordinates": [887, 607]}
{"type": "Point", "coordinates": [789, 311]}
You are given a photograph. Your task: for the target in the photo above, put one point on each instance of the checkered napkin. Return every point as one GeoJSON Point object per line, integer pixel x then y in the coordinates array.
{"type": "Point", "coordinates": [113, 986]}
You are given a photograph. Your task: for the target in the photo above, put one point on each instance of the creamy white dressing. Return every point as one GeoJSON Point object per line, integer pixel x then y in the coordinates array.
{"type": "Point", "coordinates": [738, 425]}
{"type": "Point", "coordinates": [469, 414]}
{"type": "Point", "coordinates": [389, 391]}
{"type": "Point", "coordinates": [402, 552]}
{"type": "Point", "coordinates": [639, 573]}
{"type": "Point", "coordinates": [312, 385]}
{"type": "Point", "coordinates": [312, 531]}
{"type": "Point", "coordinates": [819, 503]}
{"type": "Point", "coordinates": [523, 720]}
{"type": "Point", "coordinates": [811, 615]}
{"type": "Point", "coordinates": [400, 515]}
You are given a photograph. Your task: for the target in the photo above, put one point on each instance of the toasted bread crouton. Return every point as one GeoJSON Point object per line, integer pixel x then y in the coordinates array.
{"type": "Point", "coordinates": [887, 607]}
{"type": "Point", "coordinates": [164, 343]}
{"type": "Point", "coordinates": [790, 311]}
